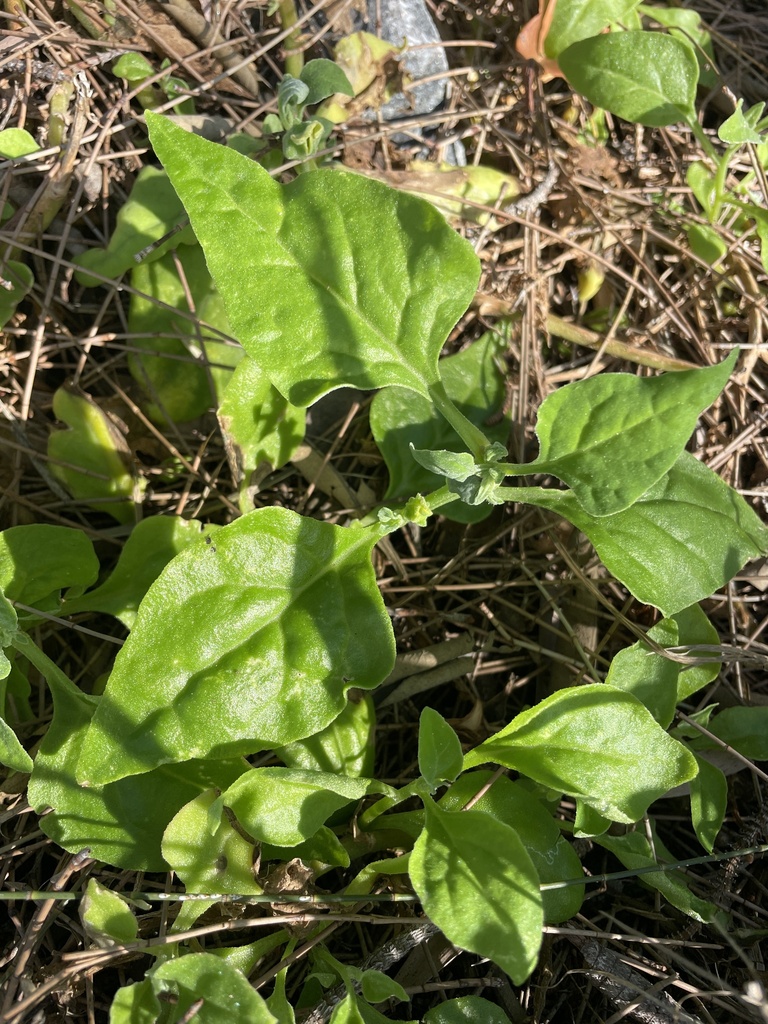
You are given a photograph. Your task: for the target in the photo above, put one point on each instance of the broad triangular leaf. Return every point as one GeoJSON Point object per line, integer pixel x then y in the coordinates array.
{"type": "Point", "coordinates": [332, 279]}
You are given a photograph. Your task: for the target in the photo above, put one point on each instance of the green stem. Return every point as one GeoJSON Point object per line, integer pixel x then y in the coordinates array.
{"type": "Point", "coordinates": [471, 435]}
{"type": "Point", "coordinates": [704, 142]}
{"type": "Point", "coordinates": [294, 62]}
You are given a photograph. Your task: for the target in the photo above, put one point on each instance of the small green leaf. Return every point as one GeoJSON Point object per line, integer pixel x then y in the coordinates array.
{"type": "Point", "coordinates": [152, 544]}
{"type": "Point", "coordinates": [634, 851]}
{"type": "Point", "coordinates": [16, 280]}
{"type": "Point", "coordinates": [209, 857]}
{"type": "Point", "coordinates": [349, 281]}
{"type": "Point", "coordinates": [324, 78]}
{"type": "Point", "coordinates": [595, 743]}
{"type": "Point", "coordinates": [706, 243]}
{"type": "Point", "coordinates": [106, 917]}
{"type": "Point", "coordinates": [679, 543]}
{"type": "Point", "coordinates": [247, 643]}
{"type": "Point", "coordinates": [477, 883]}
{"type": "Point", "coordinates": [345, 747]}
{"type": "Point", "coordinates": [739, 128]}
{"type": "Point", "coordinates": [292, 96]}
{"type": "Point", "coordinates": [611, 437]}
{"type": "Point", "coordinates": [709, 802]}
{"type": "Point", "coordinates": [646, 77]}
{"type": "Point", "coordinates": [744, 729]}
{"type": "Point", "coordinates": [12, 754]}
{"type": "Point", "coordinates": [347, 1011]}
{"type": "Point", "coordinates": [88, 457]}
{"type": "Point", "coordinates": [378, 987]}
{"type": "Point", "coordinates": [229, 998]}
{"type": "Point", "coordinates": [466, 1010]}
{"type": "Point", "coordinates": [440, 755]}
{"type": "Point", "coordinates": [552, 855]}
{"type": "Point", "coordinates": [695, 628]}
{"type": "Point", "coordinates": [16, 142]}
{"type": "Point", "coordinates": [40, 560]}
{"type": "Point", "coordinates": [133, 67]}
{"type": "Point", "coordinates": [399, 419]}
{"type": "Point", "coordinates": [284, 806]}
{"type": "Point", "coordinates": [261, 428]}
{"type": "Point", "coordinates": [580, 19]}
{"type": "Point", "coordinates": [453, 465]}
{"type": "Point", "coordinates": [650, 677]}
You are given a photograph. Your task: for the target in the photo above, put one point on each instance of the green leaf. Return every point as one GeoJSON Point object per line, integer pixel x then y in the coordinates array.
{"type": "Point", "coordinates": [12, 754]}
{"type": "Point", "coordinates": [458, 466]}
{"type": "Point", "coordinates": [695, 628]}
{"type": "Point", "coordinates": [152, 544]}
{"type": "Point", "coordinates": [347, 1011]}
{"type": "Point", "coordinates": [261, 428]}
{"type": "Point", "coordinates": [552, 855]}
{"type": "Point", "coordinates": [650, 677]}
{"type": "Point", "coordinates": [284, 806]}
{"type": "Point", "coordinates": [133, 67]}
{"type": "Point", "coordinates": [178, 322]}
{"type": "Point", "coordinates": [739, 128]}
{"type": "Point", "coordinates": [39, 560]}
{"type": "Point", "coordinates": [686, 537]}
{"type": "Point", "coordinates": [687, 25]}
{"type": "Point", "coordinates": [579, 19]}
{"type": "Point", "coordinates": [646, 77]}
{"type": "Point", "coordinates": [399, 419]}
{"type": "Point", "coordinates": [135, 1004]}
{"type": "Point", "coordinates": [229, 998]}
{"type": "Point", "coordinates": [611, 437]}
{"type": "Point", "coordinates": [292, 96]}
{"type": "Point", "coordinates": [16, 280]}
{"type": "Point", "coordinates": [378, 987]}
{"type": "Point", "coordinates": [466, 1010]}
{"type": "Point", "coordinates": [477, 883]}
{"type": "Point", "coordinates": [106, 917]}
{"type": "Point", "coordinates": [16, 142]}
{"type": "Point", "coordinates": [440, 755]}
{"type": "Point", "coordinates": [324, 78]}
{"type": "Point", "coordinates": [348, 281]}
{"type": "Point", "coordinates": [244, 644]}
{"type": "Point", "coordinates": [206, 852]}
{"type": "Point", "coordinates": [709, 802]}
{"type": "Point", "coordinates": [152, 210]}
{"type": "Point", "coordinates": [122, 823]}
{"type": "Point", "coordinates": [595, 743]}
{"type": "Point", "coordinates": [90, 458]}
{"type": "Point", "coordinates": [706, 243]}
{"type": "Point", "coordinates": [345, 747]}
{"type": "Point", "coordinates": [634, 851]}
{"type": "Point", "coordinates": [744, 729]}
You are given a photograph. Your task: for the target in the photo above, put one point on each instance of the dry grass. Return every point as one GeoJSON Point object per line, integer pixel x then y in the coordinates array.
{"type": "Point", "coordinates": [537, 608]}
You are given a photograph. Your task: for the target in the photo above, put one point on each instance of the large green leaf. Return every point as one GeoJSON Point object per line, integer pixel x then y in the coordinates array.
{"type": "Point", "coordinates": [611, 437]}
{"type": "Point", "coordinates": [595, 743]}
{"type": "Point", "coordinates": [400, 419]}
{"type": "Point", "coordinates": [246, 643]}
{"type": "Point", "coordinates": [122, 823]}
{"type": "Point", "coordinates": [647, 77]}
{"type": "Point", "coordinates": [152, 544]}
{"type": "Point", "coordinates": [332, 279]}
{"type": "Point", "coordinates": [39, 560]}
{"type": "Point", "coordinates": [683, 539]}
{"type": "Point", "coordinates": [478, 884]}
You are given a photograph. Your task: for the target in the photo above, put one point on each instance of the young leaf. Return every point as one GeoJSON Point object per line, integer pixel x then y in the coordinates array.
{"type": "Point", "coordinates": [152, 544]}
{"type": "Point", "coordinates": [680, 542]}
{"type": "Point", "coordinates": [16, 280]}
{"type": "Point", "coordinates": [466, 1010]}
{"type": "Point", "coordinates": [552, 855]}
{"type": "Point", "coordinates": [106, 917]}
{"type": "Point", "coordinates": [477, 883]}
{"type": "Point", "coordinates": [611, 437]}
{"type": "Point", "coordinates": [399, 419]}
{"type": "Point", "coordinates": [709, 801]}
{"type": "Point", "coordinates": [458, 466]}
{"type": "Point", "coordinates": [646, 77]}
{"type": "Point", "coordinates": [347, 1011]}
{"type": "Point", "coordinates": [261, 429]}
{"type": "Point", "coordinates": [39, 560]}
{"type": "Point", "coordinates": [229, 998]}
{"type": "Point", "coordinates": [284, 806]}
{"type": "Point", "coordinates": [324, 78]}
{"type": "Point", "coordinates": [574, 20]}
{"type": "Point", "coordinates": [348, 281]}
{"type": "Point", "coordinates": [440, 753]}
{"type": "Point", "coordinates": [246, 643]}
{"type": "Point", "coordinates": [739, 128]}
{"type": "Point", "coordinates": [595, 743]}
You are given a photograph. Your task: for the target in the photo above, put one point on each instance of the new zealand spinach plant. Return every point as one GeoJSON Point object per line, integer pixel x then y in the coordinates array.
{"type": "Point", "coordinates": [268, 634]}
